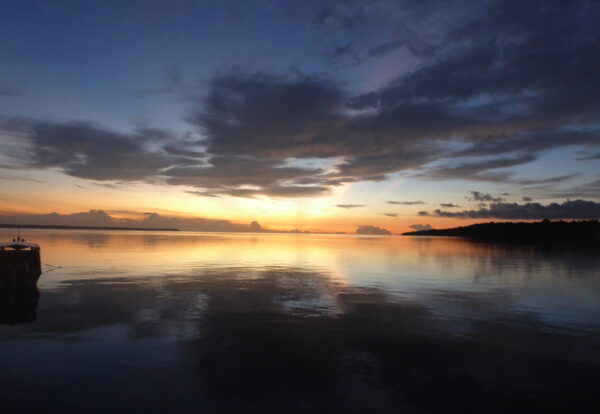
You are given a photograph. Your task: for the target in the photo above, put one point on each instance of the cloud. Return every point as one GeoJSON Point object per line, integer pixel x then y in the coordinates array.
{"type": "Point", "coordinates": [88, 218]}
{"type": "Point", "coordinates": [412, 120]}
{"type": "Point", "coordinates": [372, 230]}
{"type": "Point", "coordinates": [350, 205]}
{"type": "Point", "coordinates": [419, 227]}
{"type": "Point", "coordinates": [246, 176]}
{"type": "Point", "coordinates": [531, 141]}
{"type": "Point", "coordinates": [385, 48]}
{"type": "Point", "coordinates": [269, 116]}
{"type": "Point", "coordinates": [477, 171]}
{"type": "Point", "coordinates": [570, 209]}
{"type": "Point", "coordinates": [449, 205]}
{"type": "Point", "coordinates": [406, 203]}
{"type": "Point", "coordinates": [549, 180]}
{"type": "Point", "coordinates": [590, 189]}
{"type": "Point", "coordinates": [589, 157]}
{"type": "Point", "coordinates": [483, 197]}
{"type": "Point", "coordinates": [89, 151]}
{"type": "Point", "coordinates": [273, 191]}
{"type": "Point", "coordinates": [11, 93]}
{"type": "Point", "coordinates": [391, 214]}
{"type": "Point", "coordinates": [500, 77]}
{"type": "Point", "coordinates": [86, 150]}
{"type": "Point", "coordinates": [527, 199]}
{"type": "Point", "coordinates": [100, 218]}
{"type": "Point", "coordinates": [342, 51]}
{"type": "Point", "coordinates": [278, 118]}
{"type": "Point", "coordinates": [505, 80]}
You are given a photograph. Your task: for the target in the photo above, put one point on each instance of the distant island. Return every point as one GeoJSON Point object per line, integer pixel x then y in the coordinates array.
{"type": "Point", "coordinates": [51, 227]}
{"type": "Point", "coordinates": [544, 232]}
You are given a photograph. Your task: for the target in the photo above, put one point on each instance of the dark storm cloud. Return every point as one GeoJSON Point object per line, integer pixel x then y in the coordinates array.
{"type": "Point", "coordinates": [372, 230]}
{"type": "Point", "coordinates": [350, 205]}
{"type": "Point", "coordinates": [533, 57]}
{"type": "Point", "coordinates": [483, 197]}
{"type": "Point", "coordinates": [501, 77]}
{"type": "Point", "coordinates": [274, 117]}
{"type": "Point", "coordinates": [304, 117]}
{"type": "Point", "coordinates": [405, 203]}
{"type": "Point", "coordinates": [89, 151]}
{"type": "Point", "coordinates": [505, 76]}
{"type": "Point", "coordinates": [570, 209]}
{"type": "Point", "coordinates": [86, 150]}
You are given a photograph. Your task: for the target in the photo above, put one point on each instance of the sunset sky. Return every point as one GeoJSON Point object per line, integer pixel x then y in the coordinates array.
{"type": "Point", "coordinates": [309, 115]}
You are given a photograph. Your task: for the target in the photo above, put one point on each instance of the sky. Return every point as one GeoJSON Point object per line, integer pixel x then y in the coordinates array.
{"type": "Point", "coordinates": [335, 116]}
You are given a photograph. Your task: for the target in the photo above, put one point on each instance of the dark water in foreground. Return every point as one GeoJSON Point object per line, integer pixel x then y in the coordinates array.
{"type": "Point", "coordinates": [163, 322]}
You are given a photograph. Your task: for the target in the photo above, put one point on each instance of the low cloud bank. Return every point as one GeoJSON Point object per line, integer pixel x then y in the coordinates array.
{"type": "Point", "coordinates": [99, 218]}
{"type": "Point", "coordinates": [372, 230]}
{"type": "Point", "coordinates": [420, 227]}
{"type": "Point", "coordinates": [570, 209]}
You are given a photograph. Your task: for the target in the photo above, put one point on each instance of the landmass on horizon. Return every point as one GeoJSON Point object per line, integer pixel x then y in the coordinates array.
{"type": "Point", "coordinates": [55, 227]}
{"type": "Point", "coordinates": [544, 232]}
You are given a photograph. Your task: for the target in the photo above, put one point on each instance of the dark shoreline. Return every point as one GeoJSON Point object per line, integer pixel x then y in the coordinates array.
{"type": "Point", "coordinates": [50, 227]}
{"type": "Point", "coordinates": [546, 232]}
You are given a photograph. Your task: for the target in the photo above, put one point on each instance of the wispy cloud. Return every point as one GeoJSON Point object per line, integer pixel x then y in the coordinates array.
{"type": "Point", "coordinates": [405, 203]}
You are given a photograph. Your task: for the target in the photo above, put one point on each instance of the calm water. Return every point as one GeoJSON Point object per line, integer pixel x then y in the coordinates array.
{"type": "Point", "coordinates": [162, 322]}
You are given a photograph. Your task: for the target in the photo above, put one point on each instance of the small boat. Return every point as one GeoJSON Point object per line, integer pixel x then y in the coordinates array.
{"type": "Point", "coordinates": [20, 258]}
{"type": "Point", "coordinates": [20, 269]}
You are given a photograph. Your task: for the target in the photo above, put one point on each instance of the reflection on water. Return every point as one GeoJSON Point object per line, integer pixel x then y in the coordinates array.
{"type": "Point", "coordinates": [18, 301]}
{"type": "Point", "coordinates": [301, 323]}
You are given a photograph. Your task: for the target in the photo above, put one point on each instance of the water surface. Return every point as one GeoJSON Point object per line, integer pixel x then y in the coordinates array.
{"type": "Point", "coordinates": [176, 321]}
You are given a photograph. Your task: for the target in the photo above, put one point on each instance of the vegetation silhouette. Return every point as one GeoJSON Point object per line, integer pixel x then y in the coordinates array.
{"type": "Point", "coordinates": [545, 232]}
